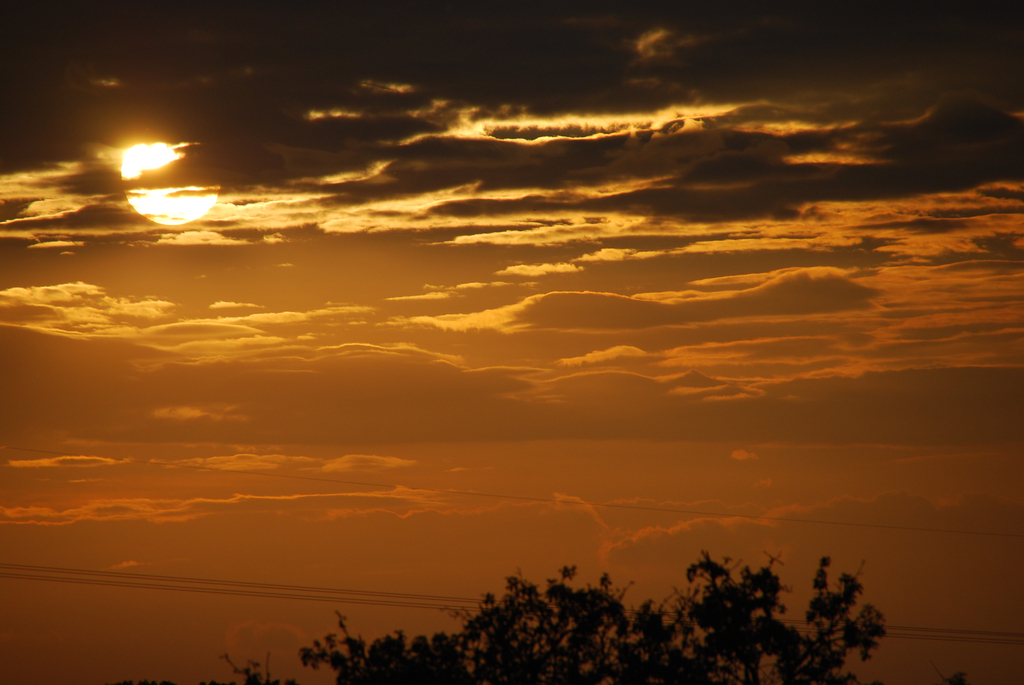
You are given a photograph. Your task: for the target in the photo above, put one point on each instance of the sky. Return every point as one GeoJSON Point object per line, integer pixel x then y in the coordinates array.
{"type": "Point", "coordinates": [723, 258]}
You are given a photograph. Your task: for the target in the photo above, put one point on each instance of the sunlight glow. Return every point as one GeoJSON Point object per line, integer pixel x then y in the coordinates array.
{"type": "Point", "coordinates": [172, 206]}
{"type": "Point", "coordinates": [141, 157]}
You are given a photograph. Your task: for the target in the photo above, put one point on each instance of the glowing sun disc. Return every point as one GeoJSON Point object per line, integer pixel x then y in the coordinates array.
{"type": "Point", "coordinates": [140, 157]}
{"type": "Point", "coordinates": [165, 205]}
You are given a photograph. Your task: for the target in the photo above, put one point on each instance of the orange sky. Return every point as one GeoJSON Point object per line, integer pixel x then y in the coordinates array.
{"type": "Point", "coordinates": [764, 264]}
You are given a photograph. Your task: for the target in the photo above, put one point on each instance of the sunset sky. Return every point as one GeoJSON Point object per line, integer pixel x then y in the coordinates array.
{"type": "Point", "coordinates": [726, 259]}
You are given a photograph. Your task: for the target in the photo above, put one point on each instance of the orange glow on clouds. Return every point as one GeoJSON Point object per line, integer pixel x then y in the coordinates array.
{"type": "Point", "coordinates": [691, 259]}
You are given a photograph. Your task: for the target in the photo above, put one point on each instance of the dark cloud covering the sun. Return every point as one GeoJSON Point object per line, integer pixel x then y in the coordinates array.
{"type": "Point", "coordinates": [489, 112]}
{"type": "Point", "coordinates": [248, 78]}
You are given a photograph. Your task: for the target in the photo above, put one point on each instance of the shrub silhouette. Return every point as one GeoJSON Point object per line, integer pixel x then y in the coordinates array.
{"type": "Point", "coordinates": [725, 629]}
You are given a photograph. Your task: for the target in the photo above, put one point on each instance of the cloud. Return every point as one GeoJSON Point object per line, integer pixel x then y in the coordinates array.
{"type": "Point", "coordinates": [327, 311]}
{"type": "Point", "coordinates": [57, 243]}
{"type": "Point", "coordinates": [654, 44]}
{"type": "Point", "coordinates": [44, 295]}
{"type": "Point", "coordinates": [249, 462]}
{"type": "Point", "coordinates": [191, 413]}
{"type": "Point", "coordinates": [395, 350]}
{"type": "Point", "coordinates": [192, 331]}
{"type": "Point", "coordinates": [76, 306]}
{"type": "Point", "coordinates": [668, 545]}
{"type": "Point", "coordinates": [123, 565]}
{"type": "Point", "coordinates": [234, 305]}
{"type": "Point", "coordinates": [499, 318]}
{"type": "Point", "coordinates": [538, 269]}
{"type": "Point", "coordinates": [444, 292]}
{"type": "Point", "coordinates": [155, 509]}
{"type": "Point", "coordinates": [365, 462]}
{"type": "Point", "coordinates": [796, 293]}
{"type": "Point", "coordinates": [65, 214]}
{"type": "Point", "coordinates": [84, 309]}
{"type": "Point", "coordinates": [693, 191]}
{"type": "Point", "coordinates": [433, 295]}
{"type": "Point", "coordinates": [353, 393]}
{"type": "Point", "coordinates": [603, 355]}
{"type": "Point", "coordinates": [742, 455]}
{"type": "Point", "coordinates": [199, 238]}
{"type": "Point", "coordinates": [476, 285]}
{"type": "Point", "coordinates": [69, 460]}
{"type": "Point", "coordinates": [607, 254]}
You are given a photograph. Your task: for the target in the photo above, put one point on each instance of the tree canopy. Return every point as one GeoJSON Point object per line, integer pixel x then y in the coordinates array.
{"type": "Point", "coordinates": [728, 627]}
{"type": "Point", "coordinates": [725, 629]}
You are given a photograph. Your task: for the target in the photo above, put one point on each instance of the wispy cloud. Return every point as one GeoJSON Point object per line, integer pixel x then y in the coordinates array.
{"type": "Point", "coordinates": [123, 565]}
{"type": "Point", "coordinates": [186, 509]}
{"type": "Point", "coordinates": [221, 304]}
{"type": "Point", "coordinates": [365, 462]}
{"type": "Point", "coordinates": [199, 238]}
{"type": "Point", "coordinates": [76, 306]}
{"type": "Point", "coordinates": [250, 462]}
{"type": "Point", "coordinates": [603, 355]}
{"type": "Point", "coordinates": [192, 413]}
{"type": "Point", "coordinates": [69, 460]}
{"type": "Point", "coordinates": [57, 243]}
{"type": "Point", "coordinates": [539, 269]}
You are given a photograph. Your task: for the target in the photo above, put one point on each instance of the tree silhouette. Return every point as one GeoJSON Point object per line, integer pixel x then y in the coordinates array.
{"type": "Point", "coordinates": [724, 630]}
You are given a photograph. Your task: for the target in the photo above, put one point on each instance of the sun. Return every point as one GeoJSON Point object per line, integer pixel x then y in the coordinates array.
{"type": "Point", "coordinates": [140, 157]}
{"type": "Point", "coordinates": [169, 194]}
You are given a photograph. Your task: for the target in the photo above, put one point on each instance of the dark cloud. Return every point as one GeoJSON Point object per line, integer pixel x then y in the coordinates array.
{"type": "Point", "coordinates": [113, 215]}
{"type": "Point", "coordinates": [10, 209]}
{"type": "Point", "coordinates": [923, 224]}
{"type": "Point", "coordinates": [1005, 193]}
{"type": "Point", "coordinates": [246, 85]}
{"type": "Point", "coordinates": [202, 75]}
{"type": "Point", "coordinates": [958, 145]}
{"type": "Point", "coordinates": [91, 179]}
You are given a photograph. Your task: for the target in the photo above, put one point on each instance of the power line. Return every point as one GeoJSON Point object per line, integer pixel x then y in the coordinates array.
{"type": "Point", "coordinates": [553, 500]}
{"type": "Point", "coordinates": [227, 591]}
{"type": "Point", "coordinates": [236, 588]}
{"type": "Point", "coordinates": [121, 576]}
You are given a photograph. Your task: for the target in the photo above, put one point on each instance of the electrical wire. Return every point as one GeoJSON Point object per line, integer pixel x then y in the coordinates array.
{"type": "Point", "coordinates": [399, 599]}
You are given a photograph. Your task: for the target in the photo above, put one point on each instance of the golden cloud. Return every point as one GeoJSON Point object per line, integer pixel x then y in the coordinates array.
{"type": "Point", "coordinates": [603, 355]}
{"type": "Point", "coordinates": [365, 462]}
{"type": "Point", "coordinates": [250, 462]}
{"type": "Point", "coordinates": [538, 269]}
